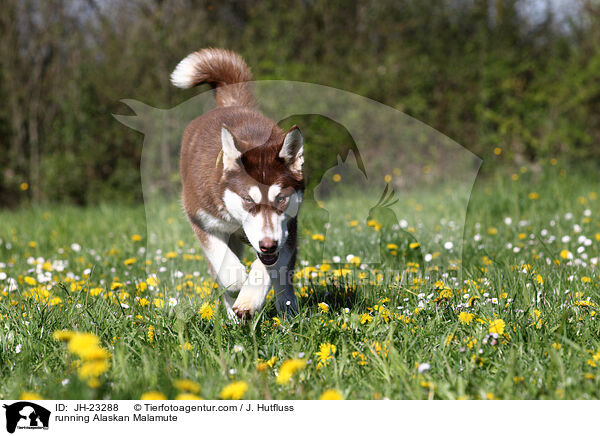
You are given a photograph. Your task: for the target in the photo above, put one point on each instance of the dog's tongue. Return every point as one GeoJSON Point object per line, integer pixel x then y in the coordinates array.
{"type": "Point", "coordinates": [268, 259]}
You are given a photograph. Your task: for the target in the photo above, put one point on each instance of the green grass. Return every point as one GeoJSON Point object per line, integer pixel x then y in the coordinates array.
{"type": "Point", "coordinates": [549, 349]}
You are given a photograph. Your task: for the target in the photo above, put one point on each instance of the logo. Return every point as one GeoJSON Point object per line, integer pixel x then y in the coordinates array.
{"type": "Point", "coordinates": [26, 415]}
{"type": "Point", "coordinates": [363, 155]}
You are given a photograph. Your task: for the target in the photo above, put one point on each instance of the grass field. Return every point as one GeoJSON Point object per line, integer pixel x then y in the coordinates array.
{"type": "Point", "coordinates": [520, 323]}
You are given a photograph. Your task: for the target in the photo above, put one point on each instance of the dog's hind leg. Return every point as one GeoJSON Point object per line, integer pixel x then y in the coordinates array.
{"type": "Point", "coordinates": [283, 271]}
{"type": "Point", "coordinates": [285, 298]}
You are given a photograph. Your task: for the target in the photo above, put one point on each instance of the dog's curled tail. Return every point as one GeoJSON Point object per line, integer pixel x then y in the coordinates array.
{"type": "Point", "coordinates": [223, 69]}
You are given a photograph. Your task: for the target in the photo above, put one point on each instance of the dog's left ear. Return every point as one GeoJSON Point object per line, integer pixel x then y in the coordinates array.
{"type": "Point", "coordinates": [292, 150]}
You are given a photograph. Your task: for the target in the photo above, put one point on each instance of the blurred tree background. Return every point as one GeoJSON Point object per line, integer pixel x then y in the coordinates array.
{"type": "Point", "coordinates": [501, 77]}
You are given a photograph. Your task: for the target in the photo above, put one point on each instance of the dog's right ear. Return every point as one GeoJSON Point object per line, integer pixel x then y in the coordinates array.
{"type": "Point", "coordinates": [231, 153]}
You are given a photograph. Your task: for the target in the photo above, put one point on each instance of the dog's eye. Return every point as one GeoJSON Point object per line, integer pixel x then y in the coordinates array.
{"type": "Point", "coordinates": [281, 200]}
{"type": "Point", "coordinates": [248, 200]}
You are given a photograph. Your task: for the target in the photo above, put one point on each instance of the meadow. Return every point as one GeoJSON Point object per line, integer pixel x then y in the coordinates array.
{"type": "Point", "coordinates": [92, 308]}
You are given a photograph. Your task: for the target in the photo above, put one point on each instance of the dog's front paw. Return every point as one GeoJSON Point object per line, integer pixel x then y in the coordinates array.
{"type": "Point", "coordinates": [246, 305]}
{"type": "Point", "coordinates": [243, 314]}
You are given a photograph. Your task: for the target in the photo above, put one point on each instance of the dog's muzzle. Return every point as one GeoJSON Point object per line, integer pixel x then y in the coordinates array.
{"type": "Point", "coordinates": [268, 259]}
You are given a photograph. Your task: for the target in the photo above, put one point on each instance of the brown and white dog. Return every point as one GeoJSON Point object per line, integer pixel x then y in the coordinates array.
{"type": "Point", "coordinates": [242, 184]}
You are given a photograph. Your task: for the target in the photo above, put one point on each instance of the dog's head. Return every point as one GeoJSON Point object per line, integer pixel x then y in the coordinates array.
{"type": "Point", "coordinates": [263, 187]}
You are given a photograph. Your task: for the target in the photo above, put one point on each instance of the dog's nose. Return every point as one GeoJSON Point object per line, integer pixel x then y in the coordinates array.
{"type": "Point", "coordinates": [267, 246]}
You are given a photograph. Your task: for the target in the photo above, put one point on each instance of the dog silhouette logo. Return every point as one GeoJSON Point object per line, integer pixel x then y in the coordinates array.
{"type": "Point", "coordinates": [26, 415]}
{"type": "Point", "coordinates": [363, 159]}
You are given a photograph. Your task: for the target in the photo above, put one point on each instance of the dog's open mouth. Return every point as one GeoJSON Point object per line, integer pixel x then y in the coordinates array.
{"type": "Point", "coordinates": [268, 259]}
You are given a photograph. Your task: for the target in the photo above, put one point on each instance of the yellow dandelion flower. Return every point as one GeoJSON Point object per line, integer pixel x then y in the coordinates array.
{"type": "Point", "coordinates": [93, 353]}
{"type": "Point", "coordinates": [323, 307]}
{"type": "Point", "coordinates": [446, 293]}
{"type": "Point", "coordinates": [375, 224]}
{"type": "Point", "coordinates": [30, 396]}
{"type": "Point", "coordinates": [158, 302]}
{"type": "Point", "coordinates": [63, 335]}
{"type": "Point", "coordinates": [355, 261]}
{"type": "Point", "coordinates": [130, 261]}
{"type": "Point", "coordinates": [92, 368]}
{"type": "Point", "coordinates": [187, 397]}
{"type": "Point", "coordinates": [331, 394]}
{"type": "Point", "coordinates": [318, 237]}
{"type": "Point", "coordinates": [83, 343]}
{"type": "Point", "coordinates": [136, 238]}
{"type": "Point", "coordinates": [427, 385]}
{"type": "Point", "coordinates": [153, 395]}
{"type": "Point", "coordinates": [187, 386]}
{"type": "Point", "coordinates": [263, 366]}
{"type": "Point", "coordinates": [234, 391]}
{"type": "Point", "coordinates": [206, 312]}
{"type": "Point", "coordinates": [465, 317]}
{"type": "Point", "coordinates": [365, 318]}
{"type": "Point", "coordinates": [288, 369]}
{"type": "Point", "coordinates": [497, 326]}
{"type": "Point", "coordinates": [325, 353]}
{"type": "Point", "coordinates": [566, 254]}
{"type": "Point", "coordinates": [151, 334]}
{"type": "Point", "coordinates": [30, 281]}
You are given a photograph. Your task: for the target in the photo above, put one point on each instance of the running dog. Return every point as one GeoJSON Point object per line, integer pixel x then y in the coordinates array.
{"type": "Point", "coordinates": [242, 184]}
